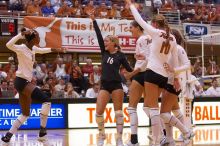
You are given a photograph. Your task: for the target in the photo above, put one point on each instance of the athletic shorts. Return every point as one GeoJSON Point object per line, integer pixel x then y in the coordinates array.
{"type": "Point", "coordinates": [110, 86]}
{"type": "Point", "coordinates": [155, 78]}
{"type": "Point", "coordinates": [172, 90]}
{"type": "Point", "coordinates": [20, 84]}
{"type": "Point", "coordinates": [139, 78]}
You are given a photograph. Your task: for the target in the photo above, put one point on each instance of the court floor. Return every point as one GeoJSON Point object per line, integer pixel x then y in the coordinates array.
{"type": "Point", "coordinates": [205, 136]}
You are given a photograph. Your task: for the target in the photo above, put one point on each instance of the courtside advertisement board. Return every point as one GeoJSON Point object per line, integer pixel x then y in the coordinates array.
{"type": "Point", "coordinates": [83, 116]}
{"type": "Point", "coordinates": [10, 112]}
{"type": "Point", "coordinates": [206, 113]}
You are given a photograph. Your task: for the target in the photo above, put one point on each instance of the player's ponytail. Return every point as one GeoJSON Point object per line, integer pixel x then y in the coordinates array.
{"type": "Point", "coordinates": [167, 28]}
{"type": "Point", "coordinates": [178, 36]}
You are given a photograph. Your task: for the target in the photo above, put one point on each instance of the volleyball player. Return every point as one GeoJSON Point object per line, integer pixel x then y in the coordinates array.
{"type": "Point", "coordinates": [162, 47]}
{"type": "Point", "coordinates": [137, 85]}
{"type": "Point", "coordinates": [28, 91]}
{"type": "Point", "coordinates": [112, 59]}
{"type": "Point", "coordinates": [170, 96]}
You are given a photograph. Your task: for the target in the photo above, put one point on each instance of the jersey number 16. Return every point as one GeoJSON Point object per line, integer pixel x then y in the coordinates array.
{"type": "Point", "coordinates": [110, 60]}
{"type": "Point", "coordinates": [165, 48]}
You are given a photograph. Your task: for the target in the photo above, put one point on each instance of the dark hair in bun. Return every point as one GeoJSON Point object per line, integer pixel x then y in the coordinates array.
{"type": "Point", "coordinates": [29, 36]}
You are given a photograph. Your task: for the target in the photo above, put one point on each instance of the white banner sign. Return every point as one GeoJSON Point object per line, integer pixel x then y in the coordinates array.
{"type": "Point", "coordinates": [83, 115]}
{"type": "Point", "coordinates": [77, 34]}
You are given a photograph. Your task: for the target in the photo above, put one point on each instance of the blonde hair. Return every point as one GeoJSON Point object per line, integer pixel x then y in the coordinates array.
{"type": "Point", "coordinates": [114, 39]}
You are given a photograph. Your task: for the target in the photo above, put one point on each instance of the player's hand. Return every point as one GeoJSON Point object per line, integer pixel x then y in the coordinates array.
{"type": "Point", "coordinates": [127, 76]}
{"type": "Point", "coordinates": [128, 2]}
{"type": "Point", "coordinates": [176, 84]}
{"type": "Point", "coordinates": [168, 68]}
{"type": "Point", "coordinates": [139, 57]}
{"type": "Point", "coordinates": [91, 14]}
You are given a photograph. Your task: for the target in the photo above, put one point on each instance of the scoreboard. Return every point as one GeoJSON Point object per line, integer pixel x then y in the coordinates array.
{"type": "Point", "coordinates": [8, 26]}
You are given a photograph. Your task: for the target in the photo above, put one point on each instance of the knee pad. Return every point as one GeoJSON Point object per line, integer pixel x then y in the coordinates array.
{"type": "Point", "coordinates": [147, 111]}
{"type": "Point", "coordinates": [154, 112]}
{"type": "Point", "coordinates": [167, 118]}
{"type": "Point", "coordinates": [119, 117]}
{"type": "Point", "coordinates": [38, 95]}
{"type": "Point", "coordinates": [45, 109]}
{"type": "Point", "coordinates": [177, 113]}
{"type": "Point", "coordinates": [131, 110]}
{"type": "Point", "coordinates": [99, 118]}
{"type": "Point", "coordinates": [22, 118]}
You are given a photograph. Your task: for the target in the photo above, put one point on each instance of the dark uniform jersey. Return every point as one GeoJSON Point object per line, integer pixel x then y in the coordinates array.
{"type": "Point", "coordinates": [110, 62]}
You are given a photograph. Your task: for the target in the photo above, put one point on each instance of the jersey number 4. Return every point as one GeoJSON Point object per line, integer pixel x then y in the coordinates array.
{"type": "Point", "coordinates": [165, 48]}
{"type": "Point", "coordinates": [110, 60]}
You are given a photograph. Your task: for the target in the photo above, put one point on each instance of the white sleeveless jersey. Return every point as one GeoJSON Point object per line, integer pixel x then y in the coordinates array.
{"type": "Point", "coordinates": [143, 48]}
{"type": "Point", "coordinates": [159, 52]}
{"type": "Point", "coordinates": [183, 63]}
{"type": "Point", "coordinates": [26, 57]}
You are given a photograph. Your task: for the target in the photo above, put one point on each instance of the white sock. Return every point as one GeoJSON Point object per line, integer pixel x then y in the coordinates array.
{"type": "Point", "coordinates": [162, 127]}
{"type": "Point", "coordinates": [45, 109]}
{"type": "Point", "coordinates": [169, 132]}
{"type": "Point", "coordinates": [155, 124]}
{"type": "Point", "coordinates": [147, 111]}
{"type": "Point", "coordinates": [17, 123]}
{"type": "Point", "coordinates": [133, 119]}
{"type": "Point", "coordinates": [119, 122]}
{"type": "Point", "coordinates": [101, 123]}
{"type": "Point", "coordinates": [173, 121]}
{"type": "Point", "coordinates": [179, 115]}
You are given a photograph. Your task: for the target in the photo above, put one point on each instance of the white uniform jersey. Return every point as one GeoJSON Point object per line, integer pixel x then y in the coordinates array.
{"type": "Point", "coordinates": [143, 48]}
{"type": "Point", "coordinates": [26, 57]}
{"type": "Point", "coordinates": [183, 63]}
{"type": "Point", "coordinates": [159, 51]}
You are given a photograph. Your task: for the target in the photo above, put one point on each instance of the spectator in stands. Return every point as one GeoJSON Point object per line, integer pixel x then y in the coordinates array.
{"type": "Point", "coordinates": [4, 88]}
{"type": "Point", "coordinates": [56, 4]}
{"type": "Point", "coordinates": [76, 10]}
{"type": "Point", "coordinates": [114, 12]}
{"type": "Point", "coordinates": [157, 4]}
{"type": "Point", "coordinates": [46, 89]}
{"type": "Point", "coordinates": [16, 5]}
{"type": "Point", "coordinates": [59, 68]}
{"type": "Point", "coordinates": [214, 90]}
{"type": "Point", "coordinates": [48, 9]}
{"type": "Point", "coordinates": [41, 73]}
{"type": "Point", "coordinates": [213, 69]}
{"type": "Point", "coordinates": [90, 6]}
{"type": "Point", "coordinates": [11, 73]}
{"type": "Point", "coordinates": [3, 76]}
{"type": "Point", "coordinates": [212, 15]}
{"type": "Point", "coordinates": [64, 10]}
{"type": "Point", "coordinates": [59, 89]}
{"type": "Point", "coordinates": [196, 86]}
{"type": "Point", "coordinates": [87, 69]}
{"type": "Point", "coordinates": [168, 5]}
{"type": "Point", "coordinates": [93, 92]}
{"type": "Point", "coordinates": [126, 13]}
{"type": "Point", "coordinates": [102, 11]}
{"type": "Point", "coordinates": [95, 76]}
{"type": "Point", "coordinates": [11, 89]}
{"type": "Point", "coordinates": [199, 15]}
{"type": "Point", "coordinates": [34, 9]}
{"type": "Point", "coordinates": [69, 91]}
{"type": "Point", "coordinates": [197, 68]}
{"type": "Point", "coordinates": [10, 63]}
{"type": "Point", "coordinates": [76, 78]}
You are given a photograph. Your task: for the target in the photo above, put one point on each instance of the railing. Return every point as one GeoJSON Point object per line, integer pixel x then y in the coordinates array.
{"type": "Point", "coordinates": [173, 17]}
